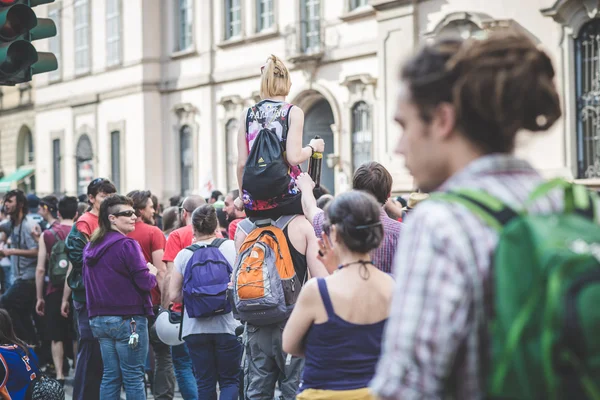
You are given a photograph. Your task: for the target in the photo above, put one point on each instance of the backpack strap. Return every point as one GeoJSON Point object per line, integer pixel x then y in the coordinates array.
{"type": "Point", "coordinates": [283, 221]}
{"type": "Point", "coordinates": [495, 213]}
{"type": "Point", "coordinates": [577, 198]}
{"type": "Point", "coordinates": [218, 242]}
{"type": "Point", "coordinates": [193, 247]}
{"type": "Point", "coordinates": [273, 117]}
{"type": "Point", "coordinates": [246, 226]}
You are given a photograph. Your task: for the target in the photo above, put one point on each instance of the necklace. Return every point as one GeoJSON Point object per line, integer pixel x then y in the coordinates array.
{"type": "Point", "coordinates": [364, 263]}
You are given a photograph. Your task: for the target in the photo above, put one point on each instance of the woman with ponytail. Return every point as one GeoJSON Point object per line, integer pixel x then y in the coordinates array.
{"type": "Point", "coordinates": [272, 115]}
{"type": "Point", "coordinates": [214, 349]}
{"type": "Point", "coordinates": [337, 323]}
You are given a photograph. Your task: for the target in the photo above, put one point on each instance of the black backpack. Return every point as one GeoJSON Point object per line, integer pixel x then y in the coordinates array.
{"type": "Point", "coordinates": [267, 173]}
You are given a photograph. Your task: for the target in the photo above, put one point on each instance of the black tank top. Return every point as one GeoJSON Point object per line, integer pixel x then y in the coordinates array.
{"type": "Point", "coordinates": [299, 259]}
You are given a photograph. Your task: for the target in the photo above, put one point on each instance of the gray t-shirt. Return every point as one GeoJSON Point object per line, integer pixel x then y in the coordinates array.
{"type": "Point", "coordinates": [21, 238]}
{"type": "Point", "coordinates": [219, 323]}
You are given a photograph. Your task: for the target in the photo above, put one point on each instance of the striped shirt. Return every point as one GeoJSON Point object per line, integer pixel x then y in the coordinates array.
{"type": "Point", "coordinates": [435, 340]}
{"type": "Point", "coordinates": [383, 256]}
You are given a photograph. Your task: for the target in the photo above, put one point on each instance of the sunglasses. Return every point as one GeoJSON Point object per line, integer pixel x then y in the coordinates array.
{"type": "Point", "coordinates": [128, 214]}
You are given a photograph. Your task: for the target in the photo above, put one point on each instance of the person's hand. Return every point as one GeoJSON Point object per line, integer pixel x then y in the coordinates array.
{"type": "Point", "coordinates": [326, 254]}
{"type": "Point", "coordinates": [36, 232]}
{"type": "Point", "coordinates": [318, 145]}
{"type": "Point", "coordinates": [305, 182]}
{"type": "Point", "coordinates": [40, 307]}
{"type": "Point", "coordinates": [65, 308]}
{"type": "Point", "coordinates": [239, 204]}
{"type": "Point", "coordinates": [8, 252]}
{"type": "Point", "coordinates": [152, 268]}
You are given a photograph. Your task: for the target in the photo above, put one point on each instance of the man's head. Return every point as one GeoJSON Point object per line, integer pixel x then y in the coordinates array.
{"type": "Point", "coordinates": [98, 190]}
{"type": "Point", "coordinates": [175, 200]}
{"type": "Point", "coordinates": [33, 202]}
{"type": "Point", "coordinates": [15, 204]}
{"type": "Point", "coordinates": [143, 205]}
{"type": "Point", "coordinates": [460, 100]}
{"type": "Point", "coordinates": [214, 196]}
{"type": "Point", "coordinates": [230, 210]}
{"type": "Point", "coordinates": [188, 206]}
{"type": "Point", "coordinates": [373, 178]}
{"type": "Point", "coordinates": [48, 208]}
{"type": "Point", "coordinates": [68, 207]}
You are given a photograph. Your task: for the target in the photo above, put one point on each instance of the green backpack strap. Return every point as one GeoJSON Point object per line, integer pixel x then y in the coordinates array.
{"type": "Point", "coordinates": [577, 198]}
{"type": "Point", "coordinates": [494, 212]}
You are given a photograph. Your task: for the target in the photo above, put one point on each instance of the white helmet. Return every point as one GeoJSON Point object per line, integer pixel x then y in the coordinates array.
{"type": "Point", "coordinates": [167, 327]}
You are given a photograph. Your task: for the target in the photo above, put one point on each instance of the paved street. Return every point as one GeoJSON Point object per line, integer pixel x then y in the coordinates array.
{"type": "Point", "coordinates": [69, 390]}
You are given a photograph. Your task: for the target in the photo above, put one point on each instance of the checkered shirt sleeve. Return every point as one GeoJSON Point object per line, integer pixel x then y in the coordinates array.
{"type": "Point", "coordinates": [432, 308]}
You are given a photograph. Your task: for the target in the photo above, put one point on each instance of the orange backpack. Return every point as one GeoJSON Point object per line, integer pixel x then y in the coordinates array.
{"type": "Point", "coordinates": [265, 285]}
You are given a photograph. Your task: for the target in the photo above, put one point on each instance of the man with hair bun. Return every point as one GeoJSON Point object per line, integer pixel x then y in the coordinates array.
{"type": "Point", "coordinates": [460, 106]}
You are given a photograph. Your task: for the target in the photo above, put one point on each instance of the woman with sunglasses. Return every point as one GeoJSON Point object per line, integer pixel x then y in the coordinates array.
{"type": "Point", "coordinates": [118, 282]}
{"type": "Point", "coordinates": [337, 323]}
{"type": "Point", "coordinates": [287, 121]}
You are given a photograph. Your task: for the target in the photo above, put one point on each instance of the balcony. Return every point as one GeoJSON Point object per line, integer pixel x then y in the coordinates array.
{"type": "Point", "coordinates": [305, 41]}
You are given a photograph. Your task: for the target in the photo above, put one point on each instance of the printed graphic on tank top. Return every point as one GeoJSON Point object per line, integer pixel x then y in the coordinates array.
{"type": "Point", "coordinates": [260, 114]}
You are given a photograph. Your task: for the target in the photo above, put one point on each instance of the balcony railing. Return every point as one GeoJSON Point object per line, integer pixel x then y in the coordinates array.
{"type": "Point", "coordinates": [305, 41]}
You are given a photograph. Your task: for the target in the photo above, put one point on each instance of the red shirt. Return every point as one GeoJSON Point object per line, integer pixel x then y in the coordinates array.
{"type": "Point", "coordinates": [62, 231]}
{"type": "Point", "coordinates": [178, 240]}
{"type": "Point", "coordinates": [150, 239]}
{"type": "Point", "coordinates": [87, 223]}
{"type": "Point", "coordinates": [233, 227]}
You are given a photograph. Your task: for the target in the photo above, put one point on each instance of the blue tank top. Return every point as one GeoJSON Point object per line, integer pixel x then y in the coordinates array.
{"type": "Point", "coordinates": [340, 355]}
{"type": "Point", "coordinates": [17, 371]}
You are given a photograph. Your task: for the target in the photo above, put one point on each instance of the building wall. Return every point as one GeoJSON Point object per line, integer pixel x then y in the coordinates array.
{"type": "Point", "coordinates": [158, 89]}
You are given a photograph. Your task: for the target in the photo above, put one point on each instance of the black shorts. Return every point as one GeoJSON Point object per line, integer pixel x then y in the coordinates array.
{"type": "Point", "coordinates": [292, 208]}
{"type": "Point", "coordinates": [58, 328]}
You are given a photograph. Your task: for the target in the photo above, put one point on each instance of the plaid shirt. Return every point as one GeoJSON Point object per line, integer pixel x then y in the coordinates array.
{"type": "Point", "coordinates": [383, 256]}
{"type": "Point", "coordinates": [435, 339]}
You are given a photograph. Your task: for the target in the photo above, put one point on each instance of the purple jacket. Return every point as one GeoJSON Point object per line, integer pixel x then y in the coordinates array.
{"type": "Point", "coordinates": [116, 278]}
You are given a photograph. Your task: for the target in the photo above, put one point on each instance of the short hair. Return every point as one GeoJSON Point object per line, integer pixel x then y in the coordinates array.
{"type": "Point", "coordinates": [170, 219]}
{"type": "Point", "coordinates": [101, 185]}
{"type": "Point", "coordinates": [51, 203]}
{"type": "Point", "coordinates": [68, 207]}
{"type": "Point", "coordinates": [235, 193]}
{"type": "Point", "coordinates": [275, 78]}
{"type": "Point", "coordinates": [192, 202]}
{"type": "Point", "coordinates": [374, 178]}
{"type": "Point", "coordinates": [140, 199]}
{"type": "Point", "coordinates": [216, 194]}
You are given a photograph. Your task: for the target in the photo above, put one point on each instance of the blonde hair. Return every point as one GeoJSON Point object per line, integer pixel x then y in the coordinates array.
{"type": "Point", "coordinates": [275, 79]}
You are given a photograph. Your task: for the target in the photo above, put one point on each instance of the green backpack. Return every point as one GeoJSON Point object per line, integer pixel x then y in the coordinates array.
{"type": "Point", "coordinates": [59, 262]}
{"type": "Point", "coordinates": [545, 331]}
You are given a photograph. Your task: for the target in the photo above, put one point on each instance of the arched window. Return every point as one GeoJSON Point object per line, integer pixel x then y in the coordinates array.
{"type": "Point", "coordinates": [362, 137]}
{"type": "Point", "coordinates": [25, 149]}
{"type": "Point", "coordinates": [186, 160]}
{"type": "Point", "coordinates": [587, 75]}
{"type": "Point", "coordinates": [85, 168]}
{"type": "Point", "coordinates": [462, 28]}
{"type": "Point", "coordinates": [231, 130]}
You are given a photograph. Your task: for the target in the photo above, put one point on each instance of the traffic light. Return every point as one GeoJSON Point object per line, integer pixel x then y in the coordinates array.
{"type": "Point", "coordinates": [19, 26]}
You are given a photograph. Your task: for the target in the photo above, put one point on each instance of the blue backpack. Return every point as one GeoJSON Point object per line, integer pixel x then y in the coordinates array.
{"type": "Point", "coordinates": [205, 281]}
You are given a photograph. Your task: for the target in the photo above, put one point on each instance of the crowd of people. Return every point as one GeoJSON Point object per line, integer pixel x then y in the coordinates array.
{"type": "Point", "coordinates": [280, 286]}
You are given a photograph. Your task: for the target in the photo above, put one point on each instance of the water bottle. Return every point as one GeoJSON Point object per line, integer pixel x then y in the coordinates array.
{"type": "Point", "coordinates": [314, 166]}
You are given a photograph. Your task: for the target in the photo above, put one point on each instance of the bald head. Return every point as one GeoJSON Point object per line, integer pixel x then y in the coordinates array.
{"type": "Point", "coordinates": [189, 205]}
